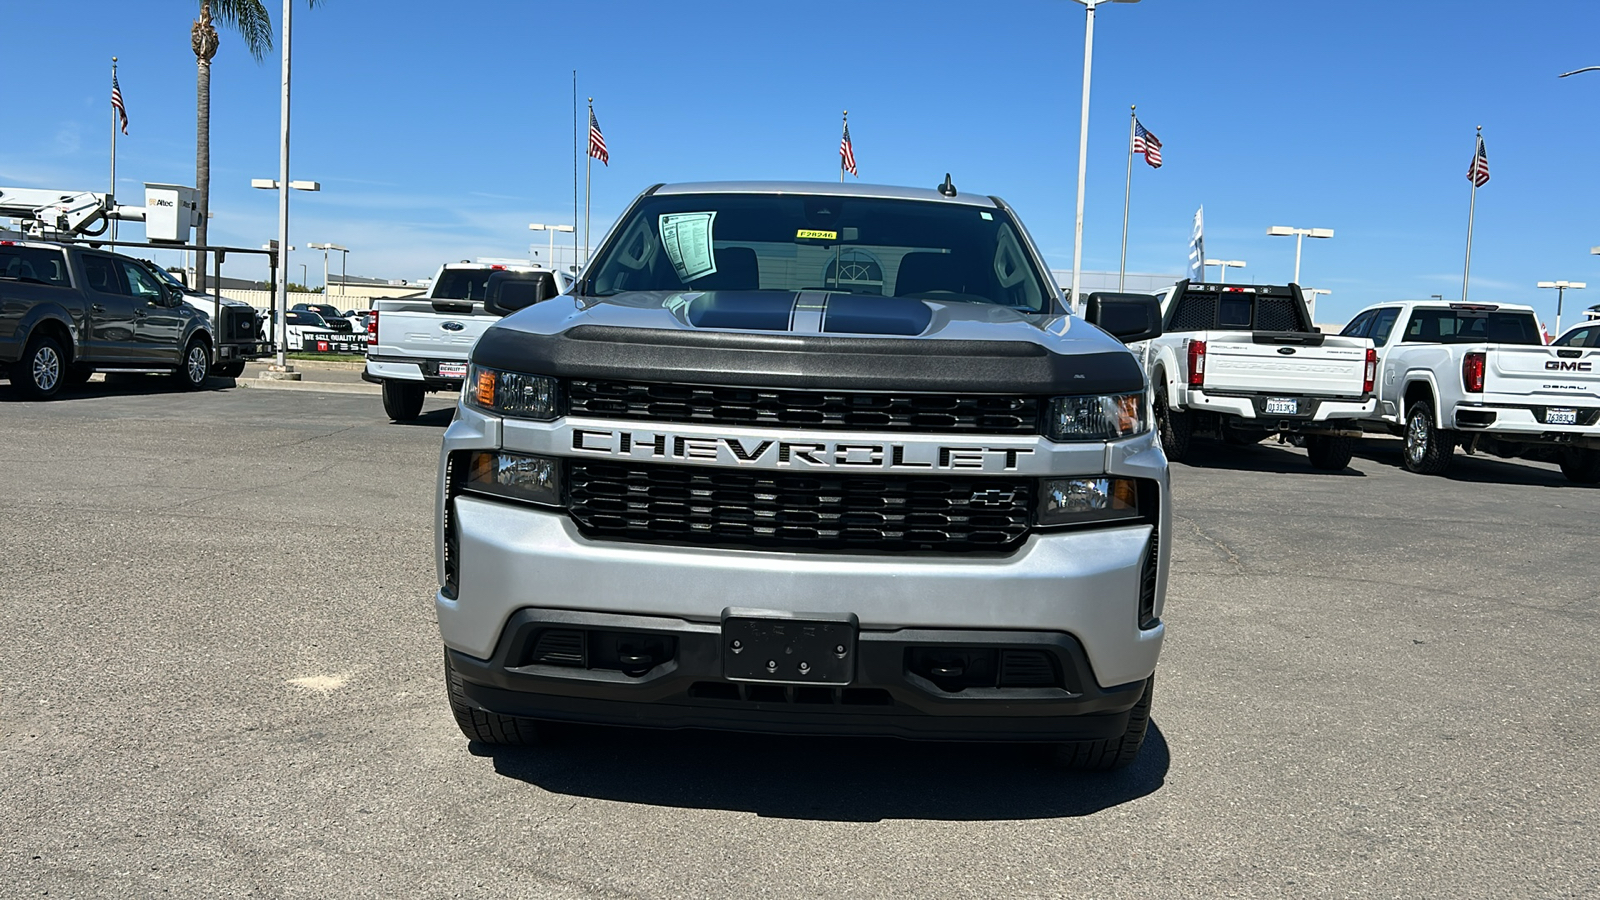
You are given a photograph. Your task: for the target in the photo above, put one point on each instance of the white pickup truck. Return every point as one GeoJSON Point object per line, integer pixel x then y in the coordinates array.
{"type": "Point", "coordinates": [1479, 375]}
{"type": "Point", "coordinates": [1242, 362]}
{"type": "Point", "coordinates": [419, 345]}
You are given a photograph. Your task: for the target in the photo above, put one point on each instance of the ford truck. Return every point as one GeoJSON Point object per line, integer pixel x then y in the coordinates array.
{"type": "Point", "coordinates": [809, 458]}
{"type": "Point", "coordinates": [419, 345]}
{"type": "Point", "coordinates": [1242, 362]}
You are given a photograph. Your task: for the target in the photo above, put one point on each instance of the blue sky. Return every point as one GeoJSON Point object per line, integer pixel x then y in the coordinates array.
{"type": "Point", "coordinates": [439, 131]}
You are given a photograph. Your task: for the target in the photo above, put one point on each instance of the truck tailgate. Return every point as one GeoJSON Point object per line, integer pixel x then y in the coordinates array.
{"type": "Point", "coordinates": [414, 329]}
{"type": "Point", "coordinates": [1236, 362]}
{"type": "Point", "coordinates": [1544, 375]}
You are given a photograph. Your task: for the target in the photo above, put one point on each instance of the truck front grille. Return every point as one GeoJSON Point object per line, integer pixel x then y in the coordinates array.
{"type": "Point", "coordinates": [817, 410]}
{"type": "Point", "coordinates": [717, 507]}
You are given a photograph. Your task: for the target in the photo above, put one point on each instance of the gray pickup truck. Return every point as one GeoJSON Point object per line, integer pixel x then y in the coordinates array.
{"type": "Point", "coordinates": [809, 458]}
{"type": "Point", "coordinates": [68, 311]}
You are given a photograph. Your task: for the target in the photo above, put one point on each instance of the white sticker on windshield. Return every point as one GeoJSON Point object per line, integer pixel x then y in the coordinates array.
{"type": "Point", "coordinates": [687, 240]}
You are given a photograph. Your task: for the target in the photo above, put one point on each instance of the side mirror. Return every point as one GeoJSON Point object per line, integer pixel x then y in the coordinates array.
{"type": "Point", "coordinates": [507, 292]}
{"type": "Point", "coordinates": [1126, 317]}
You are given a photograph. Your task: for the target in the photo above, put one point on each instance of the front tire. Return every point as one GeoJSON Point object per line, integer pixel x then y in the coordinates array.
{"type": "Point", "coordinates": [1174, 428]}
{"type": "Point", "coordinates": [1111, 753]}
{"type": "Point", "coordinates": [1581, 465]}
{"type": "Point", "coordinates": [402, 400]}
{"type": "Point", "coordinates": [42, 371]}
{"type": "Point", "coordinates": [481, 726]}
{"type": "Point", "coordinates": [1330, 452]}
{"type": "Point", "coordinates": [190, 375]}
{"type": "Point", "coordinates": [1428, 448]}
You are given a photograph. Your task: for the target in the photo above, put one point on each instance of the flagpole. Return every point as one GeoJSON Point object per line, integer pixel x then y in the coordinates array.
{"type": "Point", "coordinates": [574, 170]}
{"type": "Point", "coordinates": [1472, 210]}
{"type": "Point", "coordinates": [841, 154]}
{"type": "Point", "coordinates": [588, 183]}
{"type": "Point", "coordinates": [111, 195]}
{"type": "Point", "coordinates": [1127, 197]}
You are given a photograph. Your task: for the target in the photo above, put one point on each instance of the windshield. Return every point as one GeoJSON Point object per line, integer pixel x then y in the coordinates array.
{"type": "Point", "coordinates": [164, 275]}
{"type": "Point", "coordinates": [859, 245]}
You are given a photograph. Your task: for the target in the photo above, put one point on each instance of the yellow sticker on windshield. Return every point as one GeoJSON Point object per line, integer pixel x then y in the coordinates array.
{"type": "Point", "coordinates": [817, 235]}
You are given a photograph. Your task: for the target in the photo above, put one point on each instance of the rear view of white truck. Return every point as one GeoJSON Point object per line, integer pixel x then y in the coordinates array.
{"type": "Point", "coordinates": [419, 345]}
{"type": "Point", "coordinates": [1242, 362]}
{"type": "Point", "coordinates": [1479, 376]}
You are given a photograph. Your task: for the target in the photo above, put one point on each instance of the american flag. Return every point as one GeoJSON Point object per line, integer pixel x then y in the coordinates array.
{"type": "Point", "coordinates": [847, 153]}
{"type": "Point", "coordinates": [116, 103]}
{"type": "Point", "coordinates": [1478, 174]}
{"type": "Point", "coordinates": [1146, 143]}
{"type": "Point", "coordinates": [597, 141]}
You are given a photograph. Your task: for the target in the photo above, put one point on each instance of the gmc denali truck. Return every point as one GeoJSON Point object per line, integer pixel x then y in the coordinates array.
{"type": "Point", "coordinates": [68, 311]}
{"type": "Point", "coordinates": [1243, 362]}
{"type": "Point", "coordinates": [1479, 376]}
{"type": "Point", "coordinates": [809, 458]}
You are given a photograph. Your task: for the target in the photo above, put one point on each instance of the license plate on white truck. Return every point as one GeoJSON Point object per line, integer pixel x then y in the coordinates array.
{"type": "Point", "coordinates": [1279, 406]}
{"type": "Point", "coordinates": [1561, 417]}
{"type": "Point", "coordinates": [452, 370]}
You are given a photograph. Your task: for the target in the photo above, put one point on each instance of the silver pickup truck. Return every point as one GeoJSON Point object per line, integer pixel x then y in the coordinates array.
{"type": "Point", "coordinates": [809, 458]}
{"type": "Point", "coordinates": [419, 345]}
{"type": "Point", "coordinates": [68, 311]}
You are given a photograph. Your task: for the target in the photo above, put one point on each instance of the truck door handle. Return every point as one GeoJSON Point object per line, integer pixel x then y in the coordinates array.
{"type": "Point", "coordinates": [97, 308]}
{"type": "Point", "coordinates": [138, 313]}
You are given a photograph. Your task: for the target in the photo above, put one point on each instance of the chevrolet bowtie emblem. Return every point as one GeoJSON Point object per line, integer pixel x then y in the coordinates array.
{"type": "Point", "coordinates": [992, 497]}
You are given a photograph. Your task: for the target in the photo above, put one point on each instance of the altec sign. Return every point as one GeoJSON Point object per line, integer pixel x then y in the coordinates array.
{"type": "Point", "coordinates": [776, 453]}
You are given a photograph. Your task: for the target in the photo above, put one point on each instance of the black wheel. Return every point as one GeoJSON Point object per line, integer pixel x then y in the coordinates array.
{"type": "Point", "coordinates": [1175, 428]}
{"type": "Point", "coordinates": [1330, 452]}
{"type": "Point", "coordinates": [42, 371]}
{"type": "Point", "coordinates": [402, 400]}
{"type": "Point", "coordinates": [190, 374]}
{"type": "Point", "coordinates": [1111, 753]}
{"type": "Point", "coordinates": [1581, 465]}
{"type": "Point", "coordinates": [486, 727]}
{"type": "Point", "coordinates": [1428, 447]}
{"type": "Point", "coordinates": [229, 370]}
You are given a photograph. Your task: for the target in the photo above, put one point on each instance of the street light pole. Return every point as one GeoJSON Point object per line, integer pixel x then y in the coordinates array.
{"type": "Point", "coordinates": [1083, 142]}
{"type": "Point", "coordinates": [1300, 234]}
{"type": "Point", "coordinates": [1223, 266]}
{"type": "Point", "coordinates": [551, 230]}
{"type": "Point", "coordinates": [1561, 293]}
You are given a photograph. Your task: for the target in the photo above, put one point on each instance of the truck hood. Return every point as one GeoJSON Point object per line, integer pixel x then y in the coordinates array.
{"type": "Point", "coordinates": [810, 339]}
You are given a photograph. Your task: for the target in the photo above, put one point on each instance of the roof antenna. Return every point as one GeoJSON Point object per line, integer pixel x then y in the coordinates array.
{"type": "Point", "coordinates": [947, 189]}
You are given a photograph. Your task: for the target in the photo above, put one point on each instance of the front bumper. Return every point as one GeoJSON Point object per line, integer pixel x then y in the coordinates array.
{"type": "Point", "coordinates": [887, 697]}
{"type": "Point", "coordinates": [1314, 411]}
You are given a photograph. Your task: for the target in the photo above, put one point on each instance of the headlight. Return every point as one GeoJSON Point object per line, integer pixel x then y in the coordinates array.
{"type": "Point", "coordinates": [1076, 501]}
{"type": "Point", "coordinates": [1097, 417]}
{"type": "Point", "coordinates": [530, 479]}
{"type": "Point", "coordinates": [511, 393]}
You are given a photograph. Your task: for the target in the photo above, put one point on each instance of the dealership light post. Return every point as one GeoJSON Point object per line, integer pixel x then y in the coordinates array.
{"type": "Point", "coordinates": [1083, 141]}
{"type": "Point", "coordinates": [336, 248]}
{"type": "Point", "coordinates": [1300, 234]}
{"type": "Point", "coordinates": [551, 230]}
{"type": "Point", "coordinates": [1223, 266]}
{"type": "Point", "coordinates": [280, 300]}
{"type": "Point", "coordinates": [1561, 292]}
{"type": "Point", "coordinates": [1311, 295]}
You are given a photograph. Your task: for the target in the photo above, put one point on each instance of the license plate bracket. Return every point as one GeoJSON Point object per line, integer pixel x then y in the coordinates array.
{"type": "Point", "coordinates": [1561, 417]}
{"type": "Point", "coordinates": [452, 370]}
{"type": "Point", "coordinates": [785, 648]}
{"type": "Point", "coordinates": [1283, 406]}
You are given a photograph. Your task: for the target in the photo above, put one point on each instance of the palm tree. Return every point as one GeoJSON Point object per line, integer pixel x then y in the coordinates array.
{"type": "Point", "coordinates": [250, 19]}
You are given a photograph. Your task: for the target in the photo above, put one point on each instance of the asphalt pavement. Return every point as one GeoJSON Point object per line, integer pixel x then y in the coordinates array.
{"type": "Point", "coordinates": [220, 676]}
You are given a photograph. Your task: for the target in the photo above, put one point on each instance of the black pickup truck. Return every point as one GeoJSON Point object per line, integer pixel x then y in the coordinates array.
{"type": "Point", "coordinates": [68, 311]}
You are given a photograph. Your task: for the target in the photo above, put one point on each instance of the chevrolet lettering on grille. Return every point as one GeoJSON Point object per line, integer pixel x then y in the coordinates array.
{"type": "Point", "coordinates": [768, 453]}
